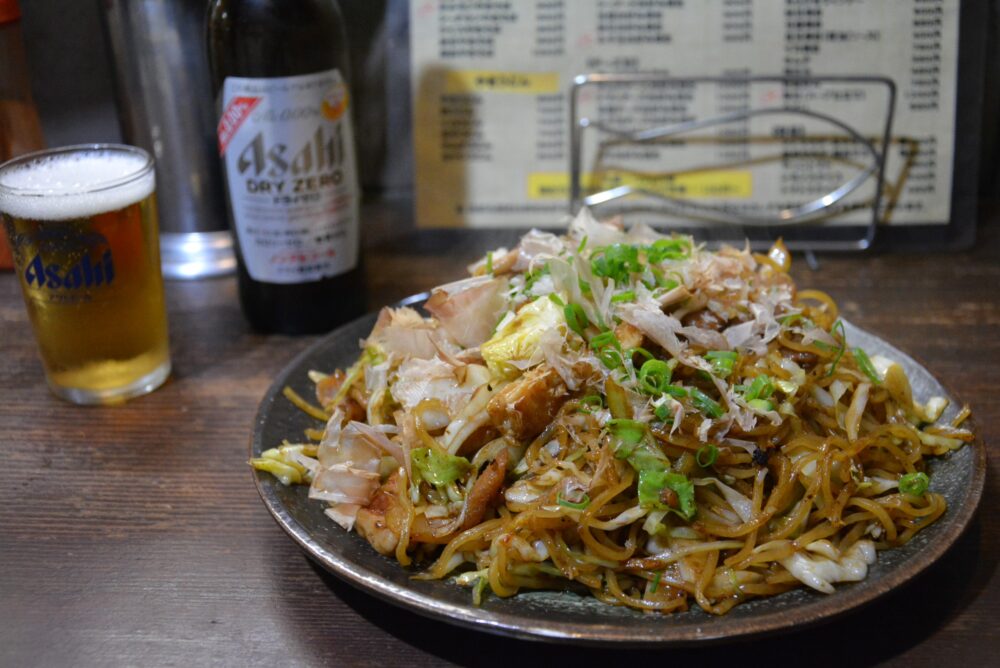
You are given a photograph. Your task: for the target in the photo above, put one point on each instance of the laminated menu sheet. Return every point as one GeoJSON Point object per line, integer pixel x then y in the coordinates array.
{"type": "Point", "coordinates": [491, 83]}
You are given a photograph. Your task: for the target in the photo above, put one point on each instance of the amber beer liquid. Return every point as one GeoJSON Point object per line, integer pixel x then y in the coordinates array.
{"type": "Point", "coordinates": [83, 228]}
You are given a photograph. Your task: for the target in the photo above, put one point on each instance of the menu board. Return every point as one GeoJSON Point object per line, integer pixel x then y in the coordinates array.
{"type": "Point", "coordinates": [491, 84]}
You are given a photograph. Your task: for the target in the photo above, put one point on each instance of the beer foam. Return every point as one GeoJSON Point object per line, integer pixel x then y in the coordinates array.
{"type": "Point", "coordinates": [64, 186]}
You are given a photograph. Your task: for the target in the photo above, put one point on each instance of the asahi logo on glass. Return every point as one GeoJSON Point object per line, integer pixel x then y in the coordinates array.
{"type": "Point", "coordinates": [292, 183]}
{"type": "Point", "coordinates": [69, 263]}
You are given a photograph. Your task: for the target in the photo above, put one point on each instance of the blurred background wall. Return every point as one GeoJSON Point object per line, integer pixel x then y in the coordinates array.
{"type": "Point", "coordinates": [73, 84]}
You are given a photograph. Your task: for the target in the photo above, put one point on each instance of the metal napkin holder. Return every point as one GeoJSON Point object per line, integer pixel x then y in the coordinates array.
{"type": "Point", "coordinates": [806, 214]}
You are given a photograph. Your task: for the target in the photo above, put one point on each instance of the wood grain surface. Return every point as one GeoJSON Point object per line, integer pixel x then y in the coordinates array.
{"type": "Point", "coordinates": [133, 535]}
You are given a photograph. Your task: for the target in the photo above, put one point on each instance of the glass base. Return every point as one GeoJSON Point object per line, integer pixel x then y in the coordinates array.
{"type": "Point", "coordinates": [196, 255]}
{"type": "Point", "coordinates": [144, 385]}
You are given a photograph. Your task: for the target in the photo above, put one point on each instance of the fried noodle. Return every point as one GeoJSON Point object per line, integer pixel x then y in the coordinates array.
{"type": "Point", "coordinates": [627, 414]}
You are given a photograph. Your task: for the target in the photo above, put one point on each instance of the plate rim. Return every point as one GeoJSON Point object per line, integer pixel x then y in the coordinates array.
{"type": "Point", "coordinates": [705, 630]}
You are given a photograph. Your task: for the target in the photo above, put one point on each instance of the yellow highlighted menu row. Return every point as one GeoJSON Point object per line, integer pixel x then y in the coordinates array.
{"type": "Point", "coordinates": [731, 184]}
{"type": "Point", "coordinates": [487, 81]}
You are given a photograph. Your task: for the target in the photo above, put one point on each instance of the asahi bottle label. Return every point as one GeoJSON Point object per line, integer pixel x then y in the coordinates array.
{"type": "Point", "coordinates": [288, 148]}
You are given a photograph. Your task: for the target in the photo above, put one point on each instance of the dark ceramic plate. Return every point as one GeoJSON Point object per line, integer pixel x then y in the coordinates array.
{"type": "Point", "coordinates": [570, 617]}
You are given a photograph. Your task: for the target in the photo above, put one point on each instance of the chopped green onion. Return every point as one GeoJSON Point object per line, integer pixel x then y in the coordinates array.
{"type": "Point", "coordinates": [627, 296]}
{"type": "Point", "coordinates": [676, 391]}
{"type": "Point", "coordinates": [584, 286]}
{"type": "Point", "coordinates": [706, 455]}
{"type": "Point", "coordinates": [789, 319]}
{"type": "Point", "coordinates": [616, 262]}
{"type": "Point", "coordinates": [582, 505]}
{"type": "Point", "coordinates": [662, 413]}
{"type": "Point", "coordinates": [840, 351]}
{"type": "Point", "coordinates": [760, 388]}
{"type": "Point", "coordinates": [667, 283]}
{"type": "Point", "coordinates": [583, 244]}
{"type": "Point", "coordinates": [705, 403]}
{"type": "Point", "coordinates": [661, 280]}
{"type": "Point", "coordinates": [914, 483]}
{"type": "Point", "coordinates": [639, 350]}
{"type": "Point", "coordinates": [604, 339]}
{"type": "Point", "coordinates": [722, 362]}
{"type": "Point", "coordinates": [593, 400]}
{"type": "Point", "coordinates": [576, 318]}
{"type": "Point", "coordinates": [865, 364]}
{"type": "Point", "coordinates": [555, 299]}
{"type": "Point", "coordinates": [629, 431]}
{"type": "Point", "coordinates": [667, 249]}
{"type": "Point", "coordinates": [610, 358]}
{"type": "Point", "coordinates": [609, 350]}
{"type": "Point", "coordinates": [489, 262]}
{"type": "Point", "coordinates": [761, 404]}
{"type": "Point", "coordinates": [532, 277]}
{"type": "Point", "coordinates": [656, 582]}
{"type": "Point", "coordinates": [654, 376]}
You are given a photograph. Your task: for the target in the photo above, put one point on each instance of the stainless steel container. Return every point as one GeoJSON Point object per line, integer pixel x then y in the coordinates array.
{"type": "Point", "coordinates": [165, 106]}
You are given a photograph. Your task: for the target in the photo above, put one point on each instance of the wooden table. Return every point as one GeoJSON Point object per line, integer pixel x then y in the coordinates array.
{"type": "Point", "coordinates": [133, 535]}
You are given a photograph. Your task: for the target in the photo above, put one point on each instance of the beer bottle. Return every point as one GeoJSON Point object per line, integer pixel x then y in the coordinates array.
{"type": "Point", "coordinates": [279, 68]}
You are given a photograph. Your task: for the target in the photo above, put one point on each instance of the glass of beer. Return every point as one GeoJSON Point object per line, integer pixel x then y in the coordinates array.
{"type": "Point", "coordinates": [81, 221]}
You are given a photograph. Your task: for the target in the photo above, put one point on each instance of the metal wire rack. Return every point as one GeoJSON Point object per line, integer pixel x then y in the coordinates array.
{"type": "Point", "coordinates": [806, 218]}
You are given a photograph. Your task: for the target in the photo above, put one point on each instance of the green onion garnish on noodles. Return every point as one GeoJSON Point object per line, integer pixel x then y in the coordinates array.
{"type": "Point", "coordinates": [722, 362]}
{"type": "Point", "coordinates": [706, 455]}
{"type": "Point", "coordinates": [555, 299]}
{"type": "Point", "coordinates": [841, 349]}
{"type": "Point", "coordinates": [489, 262]}
{"type": "Point", "coordinates": [654, 376]}
{"type": "Point", "coordinates": [661, 280]}
{"type": "Point", "coordinates": [592, 401]}
{"type": "Point", "coordinates": [914, 483]}
{"type": "Point", "coordinates": [627, 296]}
{"type": "Point", "coordinates": [706, 404]}
{"type": "Point", "coordinates": [609, 350]}
{"type": "Point", "coordinates": [662, 412]}
{"type": "Point", "coordinates": [667, 249]}
{"type": "Point", "coordinates": [761, 404]}
{"type": "Point", "coordinates": [676, 391]}
{"type": "Point", "coordinates": [604, 339]}
{"type": "Point", "coordinates": [656, 582]}
{"type": "Point", "coordinates": [760, 388]}
{"type": "Point", "coordinates": [616, 262]}
{"type": "Point", "coordinates": [865, 364]}
{"type": "Point", "coordinates": [580, 505]}
{"type": "Point", "coordinates": [632, 352]}
{"type": "Point", "coordinates": [576, 319]}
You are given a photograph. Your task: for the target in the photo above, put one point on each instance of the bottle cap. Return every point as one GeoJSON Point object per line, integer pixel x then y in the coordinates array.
{"type": "Point", "coordinates": [9, 11]}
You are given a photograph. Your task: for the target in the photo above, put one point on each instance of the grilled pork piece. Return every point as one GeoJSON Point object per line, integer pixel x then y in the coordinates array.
{"type": "Point", "coordinates": [526, 406]}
